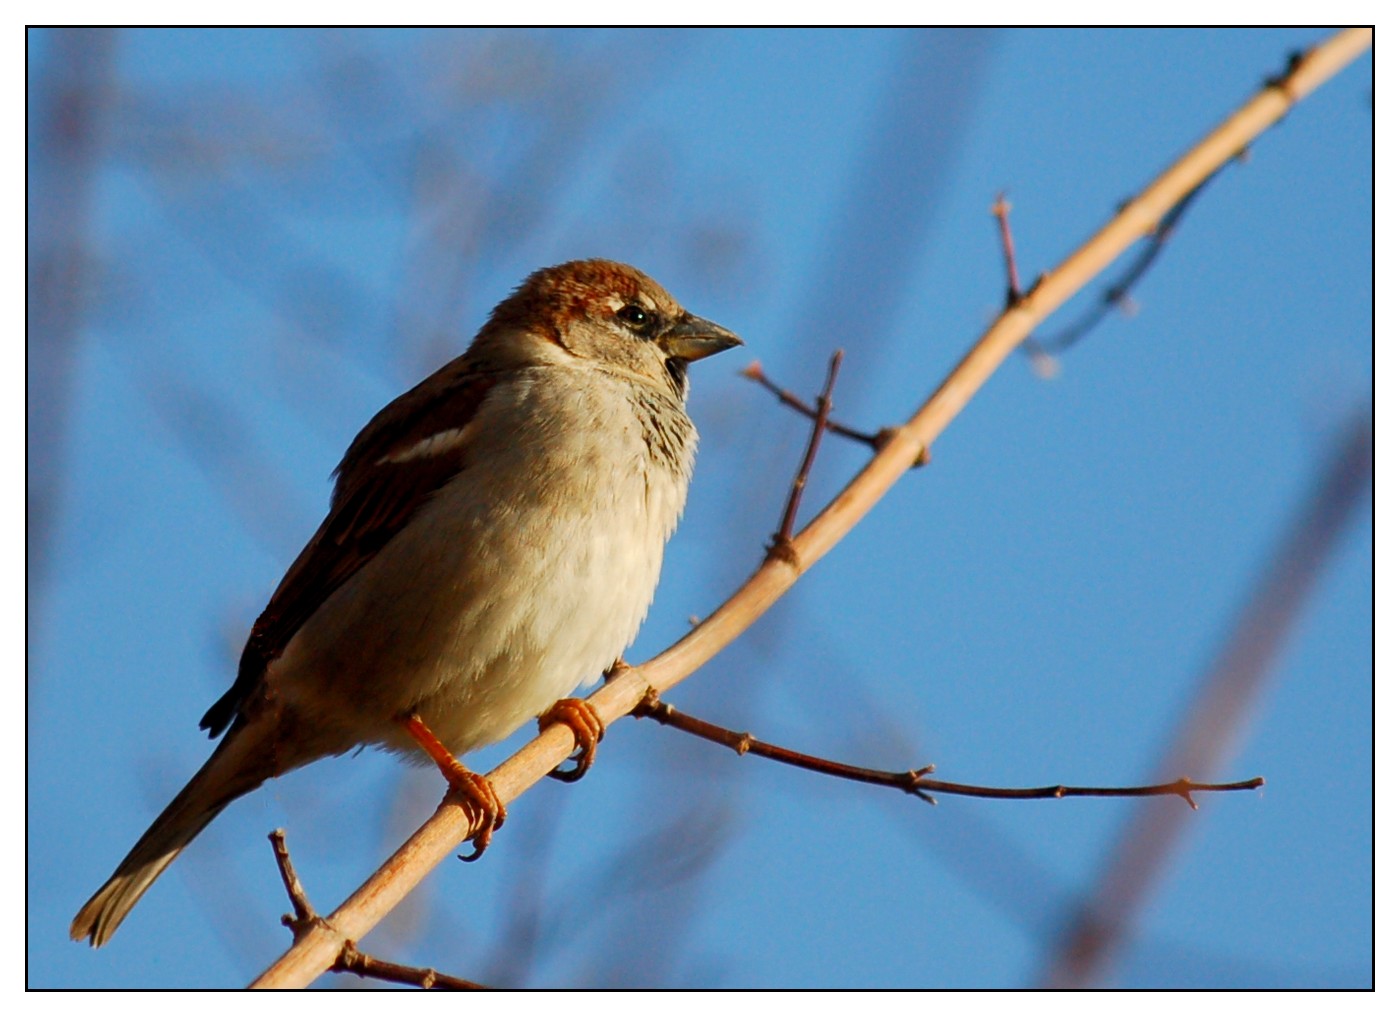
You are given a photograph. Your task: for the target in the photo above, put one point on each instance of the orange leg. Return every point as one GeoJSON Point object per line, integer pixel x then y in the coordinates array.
{"type": "Point", "coordinates": [478, 795]}
{"type": "Point", "coordinates": [580, 718]}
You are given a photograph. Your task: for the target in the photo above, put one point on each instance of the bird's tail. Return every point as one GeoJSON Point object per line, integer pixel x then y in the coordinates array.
{"type": "Point", "coordinates": [238, 765]}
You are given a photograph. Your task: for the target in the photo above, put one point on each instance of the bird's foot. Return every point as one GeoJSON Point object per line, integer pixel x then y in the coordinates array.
{"type": "Point", "coordinates": [478, 795]}
{"type": "Point", "coordinates": [582, 719]}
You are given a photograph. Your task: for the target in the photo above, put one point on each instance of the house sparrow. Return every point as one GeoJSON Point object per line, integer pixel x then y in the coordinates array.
{"type": "Point", "coordinates": [494, 540]}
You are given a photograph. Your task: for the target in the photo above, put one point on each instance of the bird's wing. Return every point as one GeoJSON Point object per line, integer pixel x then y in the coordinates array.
{"type": "Point", "coordinates": [408, 451]}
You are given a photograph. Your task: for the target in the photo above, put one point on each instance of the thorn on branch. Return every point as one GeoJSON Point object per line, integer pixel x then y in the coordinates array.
{"type": "Point", "coordinates": [1042, 362]}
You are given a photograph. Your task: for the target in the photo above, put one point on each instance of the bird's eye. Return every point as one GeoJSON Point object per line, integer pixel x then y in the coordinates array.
{"type": "Point", "coordinates": [636, 318]}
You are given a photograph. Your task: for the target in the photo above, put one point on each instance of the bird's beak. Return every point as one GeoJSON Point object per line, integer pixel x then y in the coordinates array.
{"type": "Point", "coordinates": [693, 338]}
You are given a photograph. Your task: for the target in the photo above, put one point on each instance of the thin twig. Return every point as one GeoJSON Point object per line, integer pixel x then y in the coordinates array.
{"type": "Point", "coordinates": [914, 782]}
{"type": "Point", "coordinates": [782, 540]}
{"type": "Point", "coordinates": [754, 372]}
{"type": "Point", "coordinates": [876, 441]}
{"type": "Point", "coordinates": [353, 962]}
{"type": "Point", "coordinates": [305, 915]}
{"type": "Point", "coordinates": [350, 960]}
{"type": "Point", "coordinates": [1044, 364]}
{"type": "Point", "coordinates": [449, 826]}
{"type": "Point", "coordinates": [1001, 210]}
{"type": "Point", "coordinates": [744, 743]}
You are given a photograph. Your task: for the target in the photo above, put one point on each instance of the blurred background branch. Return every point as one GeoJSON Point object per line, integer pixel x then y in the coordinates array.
{"type": "Point", "coordinates": [72, 99]}
{"type": "Point", "coordinates": [1226, 697]}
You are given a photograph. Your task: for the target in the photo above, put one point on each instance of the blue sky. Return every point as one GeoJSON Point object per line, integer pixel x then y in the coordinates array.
{"type": "Point", "coordinates": [288, 228]}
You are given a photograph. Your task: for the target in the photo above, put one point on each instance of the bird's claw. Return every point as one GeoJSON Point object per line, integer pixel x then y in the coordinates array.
{"type": "Point", "coordinates": [582, 719]}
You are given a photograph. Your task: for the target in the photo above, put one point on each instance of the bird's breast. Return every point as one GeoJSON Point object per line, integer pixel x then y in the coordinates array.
{"type": "Point", "coordinates": [527, 574]}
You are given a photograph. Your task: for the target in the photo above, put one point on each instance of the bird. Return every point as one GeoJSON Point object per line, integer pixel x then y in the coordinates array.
{"type": "Point", "coordinates": [494, 541]}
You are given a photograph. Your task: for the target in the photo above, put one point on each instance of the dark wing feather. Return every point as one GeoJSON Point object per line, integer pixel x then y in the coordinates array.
{"type": "Point", "coordinates": [376, 494]}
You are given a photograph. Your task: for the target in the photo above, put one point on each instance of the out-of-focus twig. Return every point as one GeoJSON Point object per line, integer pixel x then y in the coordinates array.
{"type": "Point", "coordinates": [1117, 295]}
{"type": "Point", "coordinates": [865, 265]}
{"type": "Point", "coordinates": [70, 101]}
{"type": "Point", "coordinates": [1228, 691]}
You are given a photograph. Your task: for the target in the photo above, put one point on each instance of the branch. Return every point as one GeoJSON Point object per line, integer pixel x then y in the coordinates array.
{"type": "Point", "coordinates": [783, 538]}
{"type": "Point", "coordinates": [71, 105]}
{"type": "Point", "coordinates": [1001, 212]}
{"type": "Point", "coordinates": [913, 782]}
{"type": "Point", "coordinates": [350, 960]}
{"type": "Point", "coordinates": [754, 372]}
{"type": "Point", "coordinates": [1042, 362]}
{"type": "Point", "coordinates": [875, 442]}
{"type": "Point", "coordinates": [449, 826]}
{"type": "Point", "coordinates": [1118, 294]}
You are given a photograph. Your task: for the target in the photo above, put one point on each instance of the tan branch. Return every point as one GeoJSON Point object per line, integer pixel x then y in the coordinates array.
{"type": "Point", "coordinates": [448, 826]}
{"type": "Point", "coordinates": [350, 960]}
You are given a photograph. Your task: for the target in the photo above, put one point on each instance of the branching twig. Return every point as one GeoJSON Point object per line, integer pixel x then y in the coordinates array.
{"type": "Point", "coordinates": [876, 441]}
{"type": "Point", "coordinates": [305, 915]}
{"type": "Point", "coordinates": [782, 540]}
{"type": "Point", "coordinates": [914, 782]}
{"type": "Point", "coordinates": [754, 372]}
{"type": "Point", "coordinates": [448, 826]}
{"type": "Point", "coordinates": [350, 960]}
